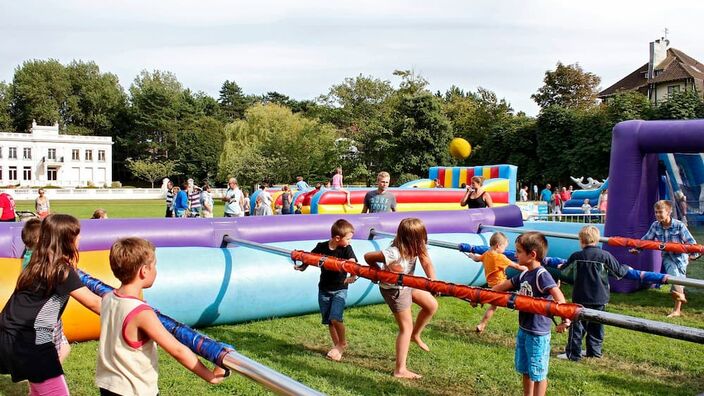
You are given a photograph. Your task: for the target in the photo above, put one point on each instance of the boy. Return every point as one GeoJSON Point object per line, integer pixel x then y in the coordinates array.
{"type": "Point", "coordinates": [590, 268]}
{"type": "Point", "coordinates": [332, 288]}
{"type": "Point", "coordinates": [130, 329]}
{"type": "Point", "coordinates": [586, 207]}
{"type": "Point", "coordinates": [30, 237]}
{"type": "Point", "coordinates": [533, 340]}
{"type": "Point", "coordinates": [495, 264]}
{"type": "Point", "coordinates": [667, 229]}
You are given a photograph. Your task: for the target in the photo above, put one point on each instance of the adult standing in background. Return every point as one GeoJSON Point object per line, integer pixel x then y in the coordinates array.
{"type": "Point", "coordinates": [565, 195]}
{"type": "Point", "coordinates": [380, 200]}
{"type": "Point", "coordinates": [265, 197]}
{"type": "Point", "coordinates": [7, 208]}
{"type": "Point", "coordinates": [41, 204]}
{"type": "Point", "coordinates": [546, 194]}
{"type": "Point", "coordinates": [194, 197]}
{"type": "Point", "coordinates": [523, 194]}
{"type": "Point", "coordinates": [206, 202]}
{"type": "Point", "coordinates": [180, 200]}
{"type": "Point", "coordinates": [233, 199]}
{"type": "Point", "coordinates": [475, 197]}
{"type": "Point", "coordinates": [170, 199]}
{"type": "Point", "coordinates": [286, 198]}
{"type": "Point", "coordinates": [535, 192]}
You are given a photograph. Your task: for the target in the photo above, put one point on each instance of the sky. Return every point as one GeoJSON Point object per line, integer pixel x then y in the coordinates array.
{"type": "Point", "coordinates": [301, 48]}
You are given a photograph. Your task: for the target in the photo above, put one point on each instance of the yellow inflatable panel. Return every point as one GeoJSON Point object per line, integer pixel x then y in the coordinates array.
{"type": "Point", "coordinates": [496, 185]}
{"type": "Point", "coordinates": [80, 324]}
{"type": "Point", "coordinates": [448, 178]}
{"type": "Point", "coordinates": [463, 176]}
{"type": "Point", "coordinates": [486, 172]}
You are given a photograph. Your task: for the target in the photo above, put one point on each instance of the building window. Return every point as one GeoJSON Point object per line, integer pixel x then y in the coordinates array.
{"type": "Point", "coordinates": [51, 154]}
{"type": "Point", "coordinates": [51, 174]}
{"type": "Point", "coordinates": [0, 151]}
{"type": "Point", "coordinates": [12, 173]}
{"type": "Point", "coordinates": [671, 89]}
{"type": "Point", "coordinates": [26, 153]}
{"type": "Point", "coordinates": [27, 173]}
{"type": "Point", "coordinates": [75, 155]}
{"type": "Point", "coordinates": [0, 172]}
{"type": "Point", "coordinates": [101, 155]}
{"type": "Point", "coordinates": [13, 153]}
{"type": "Point", "coordinates": [89, 155]}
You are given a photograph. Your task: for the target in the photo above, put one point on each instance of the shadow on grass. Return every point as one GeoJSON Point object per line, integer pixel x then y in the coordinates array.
{"type": "Point", "coordinates": [291, 359]}
{"type": "Point", "coordinates": [9, 388]}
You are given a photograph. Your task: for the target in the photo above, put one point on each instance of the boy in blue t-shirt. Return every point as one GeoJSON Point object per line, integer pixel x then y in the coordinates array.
{"type": "Point", "coordinates": [332, 288]}
{"type": "Point", "coordinates": [532, 356]}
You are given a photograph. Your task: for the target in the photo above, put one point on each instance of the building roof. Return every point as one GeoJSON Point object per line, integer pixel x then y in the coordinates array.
{"type": "Point", "coordinates": [675, 67]}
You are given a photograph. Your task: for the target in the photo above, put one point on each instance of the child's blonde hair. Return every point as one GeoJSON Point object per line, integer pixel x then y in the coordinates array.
{"type": "Point", "coordinates": [589, 235]}
{"type": "Point", "coordinates": [663, 204]}
{"type": "Point", "coordinates": [341, 228]}
{"type": "Point", "coordinates": [30, 233]}
{"type": "Point", "coordinates": [497, 238]}
{"type": "Point", "coordinates": [411, 238]}
{"type": "Point", "coordinates": [533, 242]}
{"type": "Point", "coordinates": [478, 179]}
{"type": "Point", "coordinates": [128, 255]}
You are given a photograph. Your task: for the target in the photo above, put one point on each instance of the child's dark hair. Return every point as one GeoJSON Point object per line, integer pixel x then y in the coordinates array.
{"type": "Point", "coordinates": [341, 228]}
{"type": "Point", "coordinates": [55, 255]}
{"type": "Point", "coordinates": [30, 233]}
{"type": "Point", "coordinates": [533, 242]}
{"type": "Point", "coordinates": [411, 238]}
{"type": "Point", "coordinates": [128, 255]}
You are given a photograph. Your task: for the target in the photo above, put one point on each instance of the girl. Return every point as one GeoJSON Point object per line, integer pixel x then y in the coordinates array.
{"type": "Point", "coordinates": [476, 197]}
{"type": "Point", "coordinates": [337, 185]}
{"type": "Point", "coordinates": [29, 323]}
{"type": "Point", "coordinates": [286, 197]}
{"type": "Point", "coordinates": [408, 247]}
{"type": "Point", "coordinates": [41, 204]}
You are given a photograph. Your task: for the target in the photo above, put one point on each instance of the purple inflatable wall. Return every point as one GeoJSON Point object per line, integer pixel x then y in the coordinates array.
{"type": "Point", "coordinates": [100, 234]}
{"type": "Point", "coordinates": [633, 182]}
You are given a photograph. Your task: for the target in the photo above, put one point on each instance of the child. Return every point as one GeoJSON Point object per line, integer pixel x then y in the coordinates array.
{"type": "Point", "coordinates": [667, 229]}
{"type": "Point", "coordinates": [299, 208]}
{"type": "Point", "coordinates": [533, 340]}
{"type": "Point", "coordinates": [408, 246]}
{"type": "Point", "coordinates": [590, 268]}
{"type": "Point", "coordinates": [30, 237]}
{"type": "Point", "coordinates": [29, 320]}
{"type": "Point", "coordinates": [337, 185]}
{"type": "Point", "coordinates": [495, 264]}
{"type": "Point", "coordinates": [130, 329]}
{"type": "Point", "coordinates": [246, 204]}
{"type": "Point", "coordinates": [587, 207]}
{"type": "Point", "coordinates": [100, 214]}
{"type": "Point", "coordinates": [332, 288]}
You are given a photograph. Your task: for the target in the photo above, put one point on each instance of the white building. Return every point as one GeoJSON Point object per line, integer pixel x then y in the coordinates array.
{"type": "Point", "coordinates": [44, 157]}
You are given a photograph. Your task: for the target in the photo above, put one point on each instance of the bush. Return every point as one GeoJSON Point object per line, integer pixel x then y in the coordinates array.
{"type": "Point", "coordinates": [116, 184]}
{"type": "Point", "coordinates": [406, 177]}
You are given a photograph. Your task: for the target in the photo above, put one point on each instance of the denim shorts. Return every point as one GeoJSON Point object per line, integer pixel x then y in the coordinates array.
{"type": "Point", "coordinates": [332, 305]}
{"type": "Point", "coordinates": [532, 355]}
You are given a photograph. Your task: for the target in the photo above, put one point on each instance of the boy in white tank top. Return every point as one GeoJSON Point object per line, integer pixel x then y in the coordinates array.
{"type": "Point", "coordinates": [130, 329]}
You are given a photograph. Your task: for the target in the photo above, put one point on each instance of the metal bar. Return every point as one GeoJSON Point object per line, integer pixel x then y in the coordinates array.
{"type": "Point", "coordinates": [643, 325]}
{"type": "Point", "coordinates": [546, 233]}
{"type": "Point", "coordinates": [676, 280]}
{"type": "Point", "coordinates": [612, 319]}
{"type": "Point", "coordinates": [268, 378]}
{"type": "Point", "coordinates": [443, 244]}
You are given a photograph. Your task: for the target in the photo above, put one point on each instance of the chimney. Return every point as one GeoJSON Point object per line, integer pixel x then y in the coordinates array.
{"type": "Point", "coordinates": [658, 53]}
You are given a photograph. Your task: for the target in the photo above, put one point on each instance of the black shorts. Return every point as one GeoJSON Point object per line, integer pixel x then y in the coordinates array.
{"type": "Point", "coordinates": [26, 361]}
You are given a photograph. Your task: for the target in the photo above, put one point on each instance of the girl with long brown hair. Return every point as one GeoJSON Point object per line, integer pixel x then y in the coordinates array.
{"type": "Point", "coordinates": [408, 247]}
{"type": "Point", "coordinates": [30, 330]}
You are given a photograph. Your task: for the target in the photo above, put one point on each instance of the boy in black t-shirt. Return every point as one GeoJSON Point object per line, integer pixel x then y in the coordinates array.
{"type": "Point", "coordinates": [332, 288]}
{"type": "Point", "coordinates": [590, 268]}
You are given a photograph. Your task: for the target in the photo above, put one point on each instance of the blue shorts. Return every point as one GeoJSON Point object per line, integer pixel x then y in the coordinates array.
{"type": "Point", "coordinates": [332, 305]}
{"type": "Point", "coordinates": [532, 355]}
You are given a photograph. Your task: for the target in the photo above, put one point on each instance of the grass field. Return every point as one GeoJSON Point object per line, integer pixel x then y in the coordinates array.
{"type": "Point", "coordinates": [460, 362]}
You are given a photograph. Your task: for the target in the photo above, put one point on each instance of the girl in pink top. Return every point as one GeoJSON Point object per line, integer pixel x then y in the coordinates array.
{"type": "Point", "coordinates": [337, 185]}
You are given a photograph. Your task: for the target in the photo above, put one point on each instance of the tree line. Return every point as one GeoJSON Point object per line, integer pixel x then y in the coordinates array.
{"type": "Point", "coordinates": [364, 124]}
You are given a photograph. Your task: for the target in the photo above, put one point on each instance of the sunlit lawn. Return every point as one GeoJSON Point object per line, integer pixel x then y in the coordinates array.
{"type": "Point", "coordinates": [461, 362]}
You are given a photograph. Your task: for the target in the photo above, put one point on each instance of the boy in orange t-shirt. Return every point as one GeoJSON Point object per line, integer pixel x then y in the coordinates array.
{"type": "Point", "coordinates": [495, 264]}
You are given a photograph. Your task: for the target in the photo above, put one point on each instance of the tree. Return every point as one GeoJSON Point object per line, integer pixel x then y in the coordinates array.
{"type": "Point", "coordinates": [273, 144]}
{"type": "Point", "coordinates": [683, 105]}
{"type": "Point", "coordinates": [629, 105]}
{"type": "Point", "coordinates": [200, 145]}
{"type": "Point", "coordinates": [39, 92]}
{"type": "Point", "coordinates": [150, 170]}
{"type": "Point", "coordinates": [232, 101]}
{"type": "Point", "coordinates": [5, 100]}
{"type": "Point", "coordinates": [568, 86]}
{"type": "Point", "coordinates": [357, 102]}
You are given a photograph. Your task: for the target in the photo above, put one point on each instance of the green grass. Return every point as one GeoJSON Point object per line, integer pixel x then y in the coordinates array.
{"type": "Point", "coordinates": [117, 209]}
{"type": "Point", "coordinates": [461, 362]}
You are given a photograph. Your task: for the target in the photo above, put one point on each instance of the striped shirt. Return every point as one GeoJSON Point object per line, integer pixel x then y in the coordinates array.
{"type": "Point", "coordinates": [194, 198]}
{"type": "Point", "coordinates": [169, 198]}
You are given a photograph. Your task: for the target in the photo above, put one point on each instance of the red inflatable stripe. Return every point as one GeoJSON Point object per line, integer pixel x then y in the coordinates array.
{"type": "Point", "coordinates": [494, 172]}
{"type": "Point", "coordinates": [470, 175]}
{"type": "Point", "coordinates": [441, 175]}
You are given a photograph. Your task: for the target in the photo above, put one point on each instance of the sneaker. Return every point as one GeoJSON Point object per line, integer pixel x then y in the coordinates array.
{"type": "Point", "coordinates": [583, 353]}
{"type": "Point", "coordinates": [563, 356]}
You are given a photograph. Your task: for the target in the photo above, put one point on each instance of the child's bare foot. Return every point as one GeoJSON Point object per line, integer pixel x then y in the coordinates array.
{"type": "Point", "coordinates": [674, 314]}
{"type": "Point", "coordinates": [335, 354]}
{"type": "Point", "coordinates": [407, 374]}
{"type": "Point", "coordinates": [420, 343]}
{"type": "Point", "coordinates": [480, 328]}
